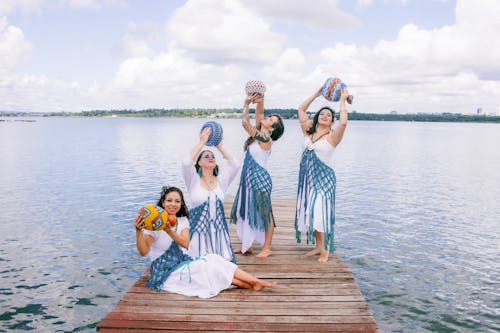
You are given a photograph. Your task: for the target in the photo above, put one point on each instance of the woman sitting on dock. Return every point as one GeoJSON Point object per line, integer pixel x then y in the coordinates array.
{"type": "Point", "coordinates": [173, 270]}
{"type": "Point", "coordinates": [206, 184]}
{"type": "Point", "coordinates": [252, 211]}
{"type": "Point", "coordinates": [315, 212]}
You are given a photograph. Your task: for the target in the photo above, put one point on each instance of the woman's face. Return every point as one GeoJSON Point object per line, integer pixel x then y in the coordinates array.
{"type": "Point", "coordinates": [207, 160]}
{"type": "Point", "coordinates": [172, 203]}
{"type": "Point", "coordinates": [269, 121]}
{"type": "Point", "coordinates": [325, 117]}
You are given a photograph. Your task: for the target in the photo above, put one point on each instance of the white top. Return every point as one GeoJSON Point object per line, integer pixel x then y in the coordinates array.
{"type": "Point", "coordinates": [260, 155]}
{"type": "Point", "coordinates": [162, 240]}
{"type": "Point", "coordinates": [324, 150]}
{"type": "Point", "coordinates": [197, 193]}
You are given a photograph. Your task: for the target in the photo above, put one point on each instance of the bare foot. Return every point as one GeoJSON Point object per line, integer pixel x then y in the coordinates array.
{"type": "Point", "coordinates": [263, 254]}
{"type": "Point", "coordinates": [261, 284]}
{"type": "Point", "coordinates": [323, 257]}
{"type": "Point", "coordinates": [312, 253]}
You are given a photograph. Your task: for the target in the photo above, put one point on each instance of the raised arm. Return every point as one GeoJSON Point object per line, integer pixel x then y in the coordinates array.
{"type": "Point", "coordinates": [259, 110]}
{"type": "Point", "coordinates": [336, 136]}
{"type": "Point", "coordinates": [199, 146]}
{"type": "Point", "coordinates": [245, 121]}
{"type": "Point", "coordinates": [305, 122]}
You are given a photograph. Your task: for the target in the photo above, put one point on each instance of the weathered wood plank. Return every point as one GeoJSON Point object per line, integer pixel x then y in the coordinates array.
{"type": "Point", "coordinates": [136, 325]}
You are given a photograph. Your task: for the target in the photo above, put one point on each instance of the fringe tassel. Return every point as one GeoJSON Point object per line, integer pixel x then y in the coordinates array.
{"type": "Point", "coordinates": [200, 227]}
{"type": "Point", "coordinates": [316, 181]}
{"type": "Point", "coordinates": [253, 196]}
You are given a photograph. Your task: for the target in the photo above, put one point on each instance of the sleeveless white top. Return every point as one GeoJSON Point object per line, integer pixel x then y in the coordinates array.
{"type": "Point", "coordinates": [260, 155]}
{"type": "Point", "coordinates": [324, 150]}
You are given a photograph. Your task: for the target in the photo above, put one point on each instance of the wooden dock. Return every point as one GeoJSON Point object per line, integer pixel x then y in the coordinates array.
{"type": "Point", "coordinates": [310, 296]}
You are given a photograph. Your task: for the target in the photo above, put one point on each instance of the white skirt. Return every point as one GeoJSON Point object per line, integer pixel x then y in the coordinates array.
{"type": "Point", "coordinates": [317, 209]}
{"type": "Point", "coordinates": [204, 277]}
{"type": "Point", "coordinates": [247, 235]}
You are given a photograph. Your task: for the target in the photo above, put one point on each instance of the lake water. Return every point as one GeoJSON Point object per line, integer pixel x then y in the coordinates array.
{"type": "Point", "coordinates": [418, 207]}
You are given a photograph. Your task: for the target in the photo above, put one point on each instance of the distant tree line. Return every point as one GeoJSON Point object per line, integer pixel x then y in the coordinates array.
{"type": "Point", "coordinates": [235, 113]}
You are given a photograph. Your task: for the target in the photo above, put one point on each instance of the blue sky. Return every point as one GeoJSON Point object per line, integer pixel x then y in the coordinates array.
{"type": "Point", "coordinates": [409, 56]}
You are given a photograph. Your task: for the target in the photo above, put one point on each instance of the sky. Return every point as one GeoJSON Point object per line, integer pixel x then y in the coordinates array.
{"type": "Point", "coordinates": [407, 56]}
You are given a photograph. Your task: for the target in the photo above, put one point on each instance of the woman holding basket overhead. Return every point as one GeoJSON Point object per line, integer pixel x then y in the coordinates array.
{"type": "Point", "coordinates": [207, 184]}
{"type": "Point", "coordinates": [252, 211]}
{"type": "Point", "coordinates": [315, 214]}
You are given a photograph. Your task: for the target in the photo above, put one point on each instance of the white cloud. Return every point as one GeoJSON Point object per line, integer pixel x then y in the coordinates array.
{"type": "Point", "coordinates": [214, 31]}
{"type": "Point", "coordinates": [320, 14]}
{"type": "Point", "coordinates": [14, 49]}
{"type": "Point", "coordinates": [36, 6]}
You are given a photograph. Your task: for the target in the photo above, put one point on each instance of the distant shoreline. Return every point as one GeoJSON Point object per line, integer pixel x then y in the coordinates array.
{"type": "Point", "coordinates": [236, 113]}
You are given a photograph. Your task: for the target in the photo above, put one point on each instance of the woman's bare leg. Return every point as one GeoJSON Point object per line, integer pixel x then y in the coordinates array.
{"type": "Point", "coordinates": [257, 284]}
{"type": "Point", "coordinates": [241, 284]}
{"type": "Point", "coordinates": [320, 241]}
{"type": "Point", "coordinates": [266, 249]}
{"type": "Point", "coordinates": [317, 250]}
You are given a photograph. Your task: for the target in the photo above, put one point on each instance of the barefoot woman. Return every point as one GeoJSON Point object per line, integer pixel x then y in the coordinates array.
{"type": "Point", "coordinates": [315, 213]}
{"type": "Point", "coordinates": [252, 211]}
{"type": "Point", "coordinates": [173, 270]}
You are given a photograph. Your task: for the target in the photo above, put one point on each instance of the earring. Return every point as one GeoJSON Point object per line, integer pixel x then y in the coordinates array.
{"type": "Point", "coordinates": [200, 172]}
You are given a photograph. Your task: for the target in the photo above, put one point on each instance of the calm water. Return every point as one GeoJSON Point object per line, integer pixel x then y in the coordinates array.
{"type": "Point", "coordinates": [418, 208]}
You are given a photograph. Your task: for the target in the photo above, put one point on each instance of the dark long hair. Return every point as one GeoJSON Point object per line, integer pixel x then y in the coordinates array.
{"type": "Point", "coordinates": [197, 165]}
{"type": "Point", "coordinates": [278, 130]}
{"type": "Point", "coordinates": [166, 190]}
{"type": "Point", "coordinates": [312, 130]}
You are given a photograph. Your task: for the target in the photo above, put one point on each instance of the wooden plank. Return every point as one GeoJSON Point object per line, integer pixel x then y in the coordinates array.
{"type": "Point", "coordinates": [310, 296]}
{"type": "Point", "coordinates": [138, 326]}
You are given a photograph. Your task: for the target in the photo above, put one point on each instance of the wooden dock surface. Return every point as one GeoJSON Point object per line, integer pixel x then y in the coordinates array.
{"type": "Point", "coordinates": [310, 296]}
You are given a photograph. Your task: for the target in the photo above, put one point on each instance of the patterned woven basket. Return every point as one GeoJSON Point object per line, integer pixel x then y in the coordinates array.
{"type": "Point", "coordinates": [215, 135]}
{"type": "Point", "coordinates": [332, 88]}
{"type": "Point", "coordinates": [255, 86]}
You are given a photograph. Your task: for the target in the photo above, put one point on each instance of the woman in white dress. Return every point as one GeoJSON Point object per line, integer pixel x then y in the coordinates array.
{"type": "Point", "coordinates": [207, 184]}
{"type": "Point", "coordinates": [315, 212]}
{"type": "Point", "coordinates": [252, 210]}
{"type": "Point", "coordinates": [173, 270]}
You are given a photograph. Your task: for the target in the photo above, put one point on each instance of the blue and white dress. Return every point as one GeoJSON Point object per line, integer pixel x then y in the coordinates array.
{"type": "Point", "coordinates": [316, 193]}
{"type": "Point", "coordinates": [174, 271]}
{"type": "Point", "coordinates": [252, 210]}
{"type": "Point", "coordinates": [208, 227]}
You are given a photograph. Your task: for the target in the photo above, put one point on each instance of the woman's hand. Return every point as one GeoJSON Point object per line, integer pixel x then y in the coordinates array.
{"type": "Point", "coordinates": [254, 98]}
{"type": "Point", "coordinates": [139, 222]}
{"type": "Point", "coordinates": [205, 134]}
{"type": "Point", "coordinates": [344, 94]}
{"type": "Point", "coordinates": [220, 145]}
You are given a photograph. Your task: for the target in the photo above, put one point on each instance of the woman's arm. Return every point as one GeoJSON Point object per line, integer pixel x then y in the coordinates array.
{"type": "Point", "coordinates": [336, 136]}
{"type": "Point", "coordinates": [182, 239]}
{"type": "Point", "coordinates": [259, 110]}
{"type": "Point", "coordinates": [199, 146]}
{"type": "Point", "coordinates": [245, 121]}
{"type": "Point", "coordinates": [225, 153]}
{"type": "Point", "coordinates": [188, 169]}
{"type": "Point", "coordinates": [143, 242]}
{"type": "Point", "coordinates": [305, 122]}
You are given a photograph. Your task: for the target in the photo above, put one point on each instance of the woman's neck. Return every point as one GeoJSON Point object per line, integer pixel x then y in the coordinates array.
{"type": "Point", "coordinates": [208, 178]}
